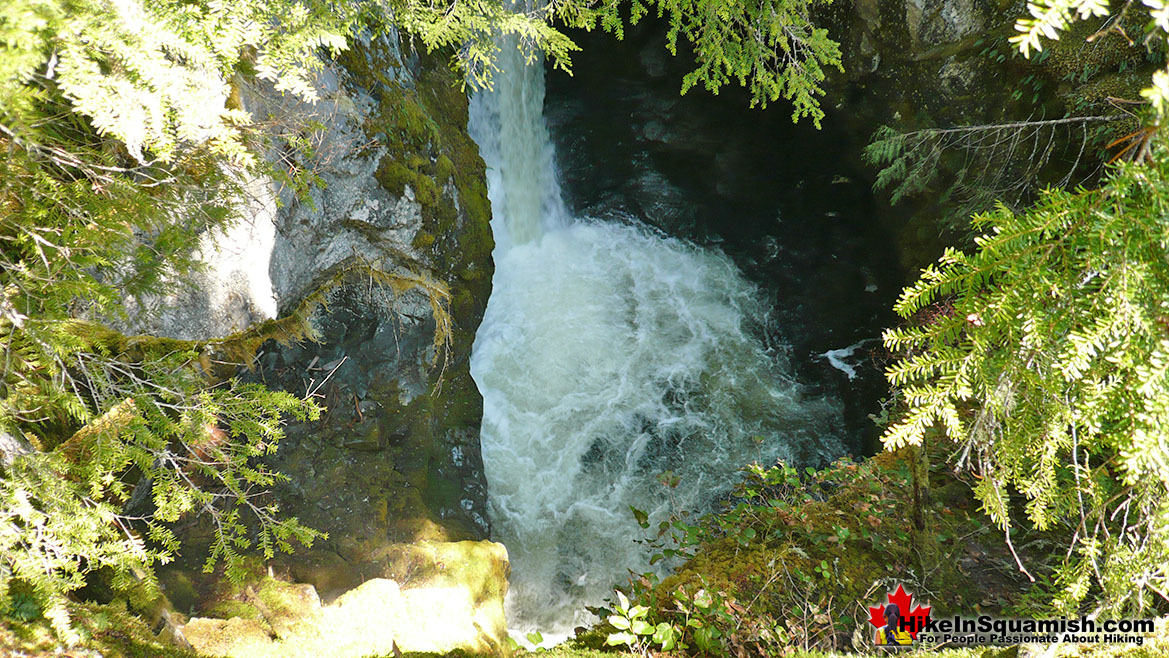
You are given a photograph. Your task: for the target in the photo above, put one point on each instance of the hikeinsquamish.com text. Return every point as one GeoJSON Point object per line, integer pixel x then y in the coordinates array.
{"type": "Point", "coordinates": [986, 629]}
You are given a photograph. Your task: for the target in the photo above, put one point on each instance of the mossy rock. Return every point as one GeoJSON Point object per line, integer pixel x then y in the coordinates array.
{"type": "Point", "coordinates": [179, 588]}
{"type": "Point", "coordinates": [237, 637]}
{"type": "Point", "coordinates": [286, 606]}
{"type": "Point", "coordinates": [478, 565]}
{"type": "Point", "coordinates": [450, 598]}
{"type": "Point", "coordinates": [325, 570]}
{"type": "Point", "coordinates": [1072, 53]}
{"type": "Point", "coordinates": [847, 535]}
{"type": "Point", "coordinates": [233, 608]}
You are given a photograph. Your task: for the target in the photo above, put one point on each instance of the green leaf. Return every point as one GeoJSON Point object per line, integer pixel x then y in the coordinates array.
{"type": "Point", "coordinates": [665, 636]}
{"type": "Point", "coordinates": [624, 637]}
{"type": "Point", "coordinates": [703, 599]}
{"type": "Point", "coordinates": [622, 602]}
{"type": "Point", "coordinates": [641, 627]}
{"type": "Point", "coordinates": [642, 517]}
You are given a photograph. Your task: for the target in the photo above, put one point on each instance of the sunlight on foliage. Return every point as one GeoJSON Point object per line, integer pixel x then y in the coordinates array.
{"type": "Point", "coordinates": [1050, 17]}
{"type": "Point", "coordinates": [1044, 354]}
{"type": "Point", "coordinates": [771, 48]}
{"type": "Point", "coordinates": [126, 144]}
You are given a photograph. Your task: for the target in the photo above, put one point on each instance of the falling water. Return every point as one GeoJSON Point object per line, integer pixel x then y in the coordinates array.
{"type": "Point", "coordinates": [608, 355]}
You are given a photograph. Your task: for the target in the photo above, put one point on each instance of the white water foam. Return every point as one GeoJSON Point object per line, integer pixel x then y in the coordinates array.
{"type": "Point", "coordinates": [839, 358]}
{"type": "Point", "coordinates": [608, 355]}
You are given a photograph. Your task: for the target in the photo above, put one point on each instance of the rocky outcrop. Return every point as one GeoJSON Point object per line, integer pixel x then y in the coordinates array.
{"type": "Point", "coordinates": [376, 237]}
{"type": "Point", "coordinates": [908, 57]}
{"type": "Point", "coordinates": [923, 64]}
{"type": "Point", "coordinates": [446, 596]}
{"type": "Point", "coordinates": [398, 234]}
{"type": "Point", "coordinates": [232, 290]}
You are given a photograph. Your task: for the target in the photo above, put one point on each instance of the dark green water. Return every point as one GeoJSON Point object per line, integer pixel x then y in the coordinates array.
{"type": "Point", "coordinates": [788, 203]}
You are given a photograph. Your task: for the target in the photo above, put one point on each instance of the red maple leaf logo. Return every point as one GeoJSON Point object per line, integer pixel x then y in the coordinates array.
{"type": "Point", "coordinates": [912, 619]}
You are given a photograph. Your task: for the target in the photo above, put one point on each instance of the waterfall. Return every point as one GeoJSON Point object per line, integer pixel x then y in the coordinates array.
{"type": "Point", "coordinates": [608, 355]}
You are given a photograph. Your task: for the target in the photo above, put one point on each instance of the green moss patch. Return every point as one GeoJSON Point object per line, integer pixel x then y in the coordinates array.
{"type": "Point", "coordinates": [795, 558]}
{"type": "Point", "coordinates": [110, 631]}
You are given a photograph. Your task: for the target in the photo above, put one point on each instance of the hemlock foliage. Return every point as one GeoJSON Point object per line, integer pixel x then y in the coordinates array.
{"type": "Point", "coordinates": [116, 129]}
{"type": "Point", "coordinates": [1044, 355]}
{"type": "Point", "coordinates": [1001, 163]}
{"type": "Point", "coordinates": [770, 47]}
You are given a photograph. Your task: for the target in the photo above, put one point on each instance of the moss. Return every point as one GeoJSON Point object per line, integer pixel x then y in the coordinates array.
{"type": "Point", "coordinates": [394, 176]}
{"type": "Point", "coordinates": [232, 608]}
{"type": "Point", "coordinates": [423, 130]}
{"type": "Point", "coordinates": [237, 637]}
{"type": "Point", "coordinates": [1073, 54]}
{"type": "Point", "coordinates": [213, 589]}
{"type": "Point", "coordinates": [830, 542]}
{"type": "Point", "coordinates": [1127, 85]}
{"type": "Point", "coordinates": [444, 168]}
{"type": "Point", "coordinates": [420, 127]}
{"type": "Point", "coordinates": [462, 404]}
{"type": "Point", "coordinates": [107, 630]}
{"type": "Point", "coordinates": [427, 148]}
{"type": "Point", "coordinates": [179, 588]}
{"type": "Point", "coordinates": [423, 240]}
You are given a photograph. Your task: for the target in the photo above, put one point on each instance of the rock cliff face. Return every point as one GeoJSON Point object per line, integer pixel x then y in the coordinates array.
{"type": "Point", "coordinates": [923, 64]}
{"type": "Point", "coordinates": [912, 64]}
{"type": "Point", "coordinates": [385, 254]}
{"type": "Point", "coordinates": [397, 240]}
{"type": "Point", "coordinates": [915, 63]}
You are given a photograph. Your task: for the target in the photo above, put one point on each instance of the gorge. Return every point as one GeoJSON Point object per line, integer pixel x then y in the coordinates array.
{"type": "Point", "coordinates": [321, 342]}
{"type": "Point", "coordinates": [611, 353]}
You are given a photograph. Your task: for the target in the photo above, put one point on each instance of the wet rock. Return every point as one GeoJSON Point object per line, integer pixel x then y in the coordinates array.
{"type": "Point", "coordinates": [653, 60]}
{"type": "Point", "coordinates": [936, 22]}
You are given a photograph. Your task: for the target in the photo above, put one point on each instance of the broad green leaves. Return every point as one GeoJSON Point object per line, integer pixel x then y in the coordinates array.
{"type": "Point", "coordinates": [632, 629]}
